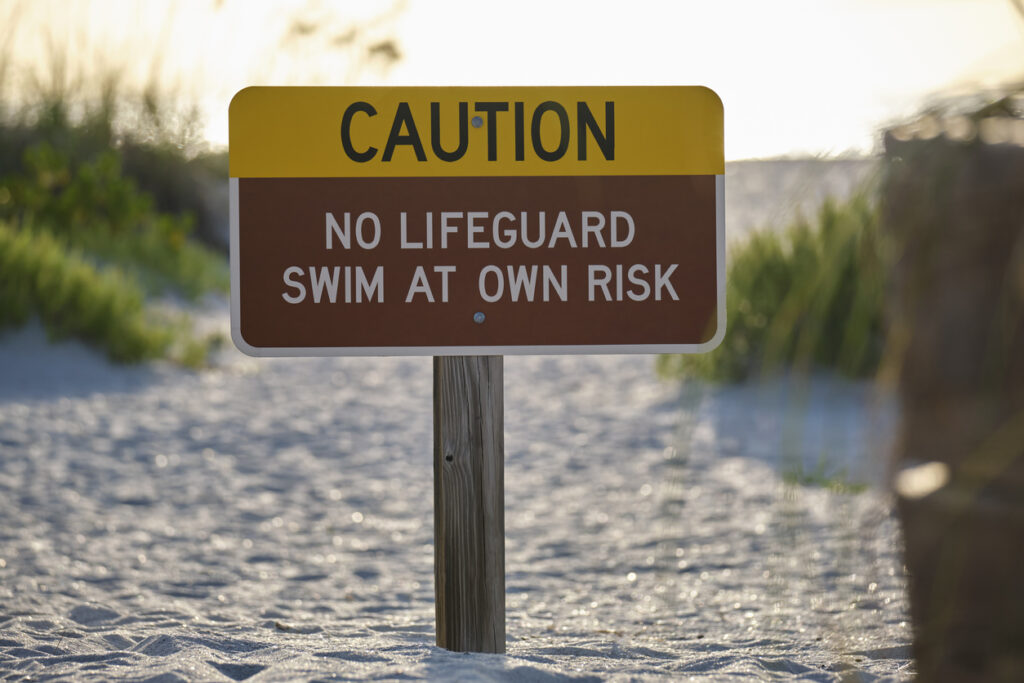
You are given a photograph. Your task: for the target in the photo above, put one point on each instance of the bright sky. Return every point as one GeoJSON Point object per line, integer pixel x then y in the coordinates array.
{"type": "Point", "coordinates": [796, 76]}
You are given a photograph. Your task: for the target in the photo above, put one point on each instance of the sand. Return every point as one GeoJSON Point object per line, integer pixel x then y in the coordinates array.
{"type": "Point", "coordinates": [272, 520]}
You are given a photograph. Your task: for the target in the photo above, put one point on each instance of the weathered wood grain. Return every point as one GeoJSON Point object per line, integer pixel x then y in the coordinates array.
{"type": "Point", "coordinates": [469, 503]}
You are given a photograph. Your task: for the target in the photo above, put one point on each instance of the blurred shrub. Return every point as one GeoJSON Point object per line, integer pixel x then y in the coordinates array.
{"type": "Point", "coordinates": [810, 296]}
{"type": "Point", "coordinates": [73, 298]}
{"type": "Point", "coordinates": [83, 247]}
{"type": "Point", "coordinates": [92, 206]}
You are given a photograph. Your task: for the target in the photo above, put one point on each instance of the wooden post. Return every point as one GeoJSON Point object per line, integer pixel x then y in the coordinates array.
{"type": "Point", "coordinates": [469, 503]}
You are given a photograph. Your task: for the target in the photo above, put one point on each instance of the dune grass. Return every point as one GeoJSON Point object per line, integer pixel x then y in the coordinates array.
{"type": "Point", "coordinates": [40, 276]}
{"type": "Point", "coordinates": [100, 192]}
{"type": "Point", "coordinates": [93, 206]}
{"type": "Point", "coordinates": [808, 297]}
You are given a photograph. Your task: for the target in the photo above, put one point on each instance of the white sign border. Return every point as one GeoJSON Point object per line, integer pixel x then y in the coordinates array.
{"type": "Point", "coordinates": [595, 349]}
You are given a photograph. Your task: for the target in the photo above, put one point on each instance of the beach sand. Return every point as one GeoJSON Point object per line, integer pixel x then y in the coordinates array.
{"type": "Point", "coordinates": [272, 520]}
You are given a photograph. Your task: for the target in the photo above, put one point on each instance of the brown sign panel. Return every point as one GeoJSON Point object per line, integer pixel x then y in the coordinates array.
{"type": "Point", "coordinates": [497, 264]}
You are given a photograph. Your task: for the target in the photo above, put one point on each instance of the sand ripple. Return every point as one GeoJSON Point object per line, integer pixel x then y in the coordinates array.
{"type": "Point", "coordinates": [271, 521]}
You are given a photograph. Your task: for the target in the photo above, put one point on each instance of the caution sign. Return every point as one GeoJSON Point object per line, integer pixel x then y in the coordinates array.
{"type": "Point", "coordinates": [475, 221]}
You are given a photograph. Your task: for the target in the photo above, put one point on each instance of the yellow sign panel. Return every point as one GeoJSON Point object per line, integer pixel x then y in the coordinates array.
{"type": "Point", "coordinates": [306, 132]}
